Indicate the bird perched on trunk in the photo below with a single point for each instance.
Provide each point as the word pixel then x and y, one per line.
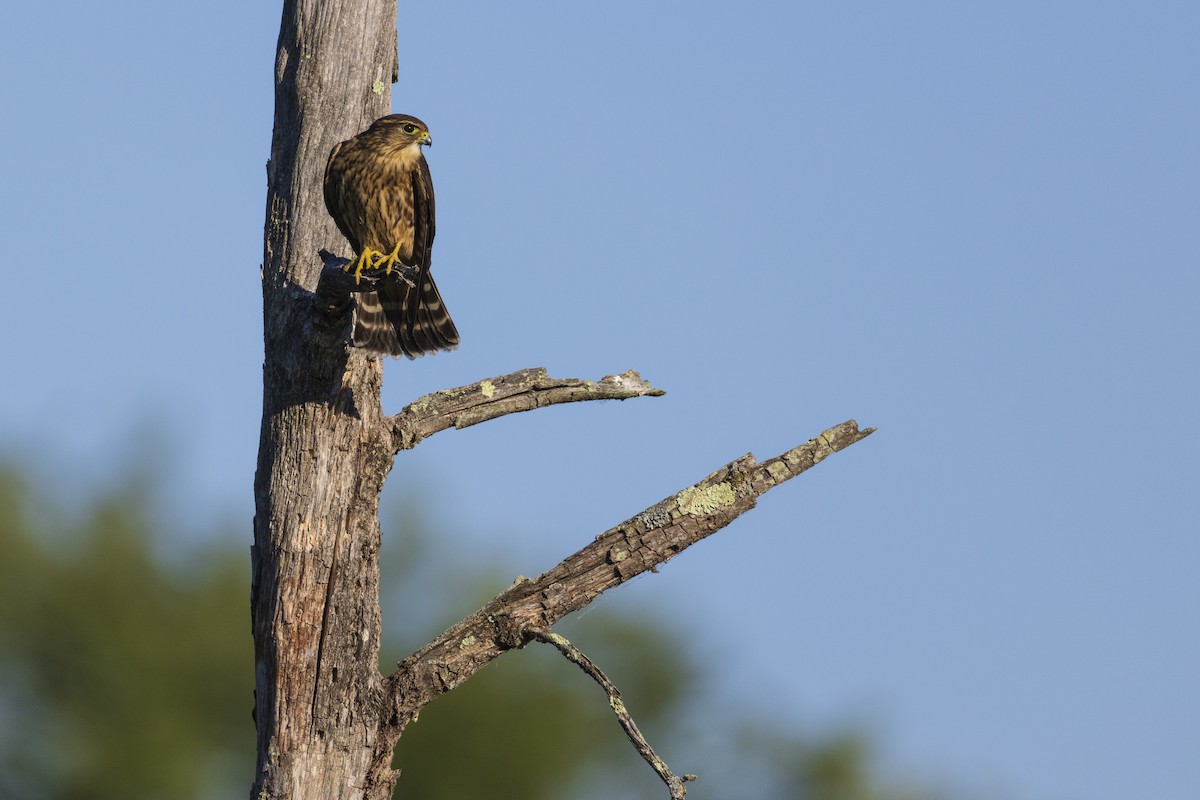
pixel 378 191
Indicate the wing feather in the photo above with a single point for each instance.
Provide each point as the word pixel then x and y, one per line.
pixel 335 195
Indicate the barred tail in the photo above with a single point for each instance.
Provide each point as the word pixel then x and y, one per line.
pixel 399 320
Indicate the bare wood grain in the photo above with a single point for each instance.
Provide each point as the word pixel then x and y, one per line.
pixel 321 463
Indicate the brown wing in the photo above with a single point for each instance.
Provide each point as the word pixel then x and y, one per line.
pixel 424 214
pixel 335 195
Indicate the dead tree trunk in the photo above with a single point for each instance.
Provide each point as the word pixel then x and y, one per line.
pixel 327 720
pixel 321 460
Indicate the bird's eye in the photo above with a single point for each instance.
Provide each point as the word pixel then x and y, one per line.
pixel 410 128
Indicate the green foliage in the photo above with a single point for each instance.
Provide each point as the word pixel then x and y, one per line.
pixel 124 677
pixel 835 766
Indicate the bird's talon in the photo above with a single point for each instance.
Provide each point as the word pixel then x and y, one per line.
pixel 366 260
pixel 389 261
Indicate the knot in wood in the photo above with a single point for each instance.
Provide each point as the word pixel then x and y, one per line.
pixel 510 634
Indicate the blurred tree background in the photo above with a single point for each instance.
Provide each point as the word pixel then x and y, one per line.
pixel 127 671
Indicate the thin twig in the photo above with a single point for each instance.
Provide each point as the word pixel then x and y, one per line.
pixel 674 782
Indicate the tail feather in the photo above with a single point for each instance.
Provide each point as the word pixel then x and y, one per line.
pixel 400 320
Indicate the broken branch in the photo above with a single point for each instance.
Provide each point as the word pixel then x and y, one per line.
pixel 619 554
pixel 507 394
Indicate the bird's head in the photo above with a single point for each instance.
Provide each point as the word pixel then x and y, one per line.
pixel 403 130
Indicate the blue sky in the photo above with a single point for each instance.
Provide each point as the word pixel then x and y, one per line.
pixel 973 227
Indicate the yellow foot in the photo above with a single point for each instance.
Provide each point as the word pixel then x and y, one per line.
pixel 389 261
pixel 365 260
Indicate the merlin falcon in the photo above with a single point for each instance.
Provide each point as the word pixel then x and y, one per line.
pixel 379 192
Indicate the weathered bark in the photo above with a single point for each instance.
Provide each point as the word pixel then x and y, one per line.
pixel 321 461
pixel 327 720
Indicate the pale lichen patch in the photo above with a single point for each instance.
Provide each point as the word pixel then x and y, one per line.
pixel 653 518
pixel 697 501
pixel 488 389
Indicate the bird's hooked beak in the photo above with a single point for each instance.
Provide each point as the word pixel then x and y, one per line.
pixel 425 140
